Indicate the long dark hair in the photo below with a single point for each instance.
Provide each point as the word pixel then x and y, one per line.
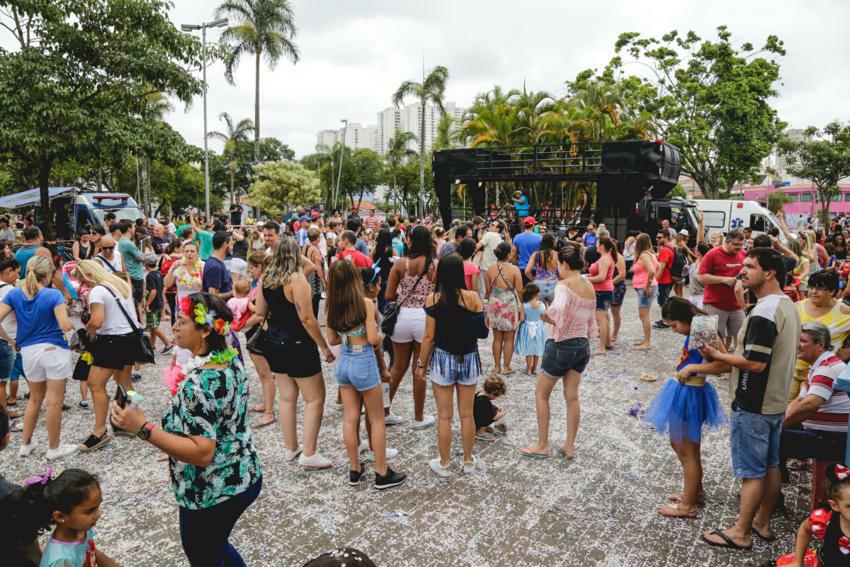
pixel 215 341
pixel 450 281
pixel 680 309
pixel 609 245
pixel 346 310
pixel 546 250
pixel 421 244
pixel 383 244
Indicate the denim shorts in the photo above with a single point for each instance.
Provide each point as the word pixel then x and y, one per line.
pixel 358 367
pixel 7 360
pixel 448 369
pixel 603 300
pixel 563 356
pixel 17 368
pixel 645 301
pixel 754 438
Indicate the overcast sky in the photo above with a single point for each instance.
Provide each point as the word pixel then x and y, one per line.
pixel 355 53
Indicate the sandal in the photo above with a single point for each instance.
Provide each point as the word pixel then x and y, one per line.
pixel 526 453
pixel 676 511
pixel 727 541
pixel 486 436
pixel 94 442
pixel 263 422
pixel 16 427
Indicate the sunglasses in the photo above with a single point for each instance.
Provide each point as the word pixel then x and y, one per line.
pixel 107 248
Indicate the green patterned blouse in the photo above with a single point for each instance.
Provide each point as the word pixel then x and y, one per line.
pixel 213 404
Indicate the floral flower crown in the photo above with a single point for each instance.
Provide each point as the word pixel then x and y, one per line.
pixel 201 316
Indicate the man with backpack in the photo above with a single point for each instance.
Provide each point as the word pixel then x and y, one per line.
pixel 666 259
pixel 679 269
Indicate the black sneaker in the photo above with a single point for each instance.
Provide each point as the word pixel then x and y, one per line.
pixel 661 325
pixel 389 480
pixel 167 350
pixel 354 477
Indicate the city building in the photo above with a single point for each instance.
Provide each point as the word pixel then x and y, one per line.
pixel 325 140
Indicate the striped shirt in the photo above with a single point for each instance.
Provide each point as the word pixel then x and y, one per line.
pixel 832 414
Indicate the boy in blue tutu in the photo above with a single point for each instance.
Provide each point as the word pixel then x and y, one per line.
pixel 683 407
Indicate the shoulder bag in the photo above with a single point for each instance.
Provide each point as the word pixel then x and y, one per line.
pixel 144 350
pixel 392 309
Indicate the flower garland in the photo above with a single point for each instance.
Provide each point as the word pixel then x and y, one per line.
pixel 201 316
pixel 189 276
pixel 175 375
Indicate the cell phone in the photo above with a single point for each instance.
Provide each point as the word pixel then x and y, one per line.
pixel 121 396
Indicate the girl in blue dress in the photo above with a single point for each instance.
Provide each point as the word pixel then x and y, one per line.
pixel 531 337
pixel 683 407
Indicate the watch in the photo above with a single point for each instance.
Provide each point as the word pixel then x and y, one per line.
pixel 145 432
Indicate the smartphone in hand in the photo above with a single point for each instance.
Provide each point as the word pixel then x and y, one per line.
pixel 121 396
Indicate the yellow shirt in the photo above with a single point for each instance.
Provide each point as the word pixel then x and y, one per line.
pixel 838 324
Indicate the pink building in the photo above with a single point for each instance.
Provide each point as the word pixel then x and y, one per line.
pixel 804 199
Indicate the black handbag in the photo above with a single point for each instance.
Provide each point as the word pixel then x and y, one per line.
pixel 144 350
pixel 81 370
pixel 392 309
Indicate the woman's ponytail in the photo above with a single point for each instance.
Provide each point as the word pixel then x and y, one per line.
pixel 38 269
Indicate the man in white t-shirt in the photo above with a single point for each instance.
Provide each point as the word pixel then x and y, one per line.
pixel 108 257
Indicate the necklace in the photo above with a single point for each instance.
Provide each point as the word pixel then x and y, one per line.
pixel 175 375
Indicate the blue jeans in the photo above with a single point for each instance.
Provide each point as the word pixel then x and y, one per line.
pixel 17 368
pixel 7 360
pixel 561 357
pixel 664 290
pixel 204 533
pixel 755 442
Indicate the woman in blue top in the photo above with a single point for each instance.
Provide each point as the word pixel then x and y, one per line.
pixel 42 320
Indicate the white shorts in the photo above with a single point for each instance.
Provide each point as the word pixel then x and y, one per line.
pixel 46 362
pixel 410 325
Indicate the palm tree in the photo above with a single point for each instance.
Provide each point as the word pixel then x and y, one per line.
pixel 232 137
pixel 398 152
pixel 430 90
pixel 446 133
pixel 264 27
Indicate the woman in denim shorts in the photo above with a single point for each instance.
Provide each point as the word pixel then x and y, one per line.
pixel 455 321
pixel 643 280
pixel 353 325
pixel 571 322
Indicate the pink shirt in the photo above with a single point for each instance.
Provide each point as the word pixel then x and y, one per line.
pixel 639 273
pixel 574 315
pixel 470 271
pixel 608 283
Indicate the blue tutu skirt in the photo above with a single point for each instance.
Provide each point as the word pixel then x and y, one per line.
pixel 530 339
pixel 682 411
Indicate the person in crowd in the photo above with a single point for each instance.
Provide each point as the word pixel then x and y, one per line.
pixel 292 343
pixel 110 306
pixel 717 272
pixel 398 241
pixel 214 465
pixel 684 407
pixel 669 231
pixel 256 242
pixel 132 258
pixel 352 324
pixel 439 239
pixel 173 252
pixel 815 424
pixel 542 268
pixel 411 281
pixel 384 254
pixel 503 286
pixel 271 236
pixel 681 260
pixel 471 271
pixel 72 501
pixel 108 257
pixel 526 243
pixel 485 412
pixel 589 238
pixel 371 221
pixel 521 206
pixel 619 295
pixel 216 278
pixel 665 255
pixel 762 366
pixel 695 288
pixel 32 245
pixel 449 357
pixel 257 263
pixel 486 248
pixel 355 225
pixel 240 304
pixel 154 303
pixel 9 269
pixel 6 232
pixel 187 272
pixel 82 248
pixel 317 279
pixel 571 324
pixel 347 250
pixel 42 318
pixel 643 280
pixel 822 306
pixel 601 275
pixel 461 232
pixel 531 336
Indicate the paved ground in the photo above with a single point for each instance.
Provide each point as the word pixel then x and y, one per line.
pixel 599 509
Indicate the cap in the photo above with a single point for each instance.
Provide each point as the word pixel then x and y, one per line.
pixel 315 214
pixel 529 221
pixel 305 218
pixel 684 232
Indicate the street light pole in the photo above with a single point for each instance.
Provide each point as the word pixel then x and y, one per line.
pixel 341 156
pixel 203 27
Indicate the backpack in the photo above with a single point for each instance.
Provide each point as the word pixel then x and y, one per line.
pixel 680 263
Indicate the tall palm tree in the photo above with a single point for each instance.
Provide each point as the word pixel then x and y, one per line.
pixel 233 135
pixel 430 90
pixel 446 133
pixel 398 152
pixel 263 27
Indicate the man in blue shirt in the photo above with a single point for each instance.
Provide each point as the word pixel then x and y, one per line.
pixel 526 244
pixel 521 206
pixel 217 279
pixel 589 238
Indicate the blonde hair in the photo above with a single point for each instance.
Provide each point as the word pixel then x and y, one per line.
pixel 642 244
pixel 94 273
pixel 285 261
pixel 243 287
pixel 39 268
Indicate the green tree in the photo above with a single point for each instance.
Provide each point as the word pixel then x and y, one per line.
pixel 283 184
pixel 263 28
pixel 446 133
pixel 362 172
pixel 398 154
pixel 232 136
pixel 822 157
pixel 708 98
pixel 76 82
pixel 430 90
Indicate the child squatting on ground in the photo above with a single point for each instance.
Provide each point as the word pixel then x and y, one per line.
pixel 485 412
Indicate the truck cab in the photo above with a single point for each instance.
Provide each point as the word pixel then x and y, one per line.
pixel 646 216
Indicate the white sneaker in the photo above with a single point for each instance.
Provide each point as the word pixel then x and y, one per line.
pixel 393 420
pixel 369 456
pixel 426 422
pixel 292 455
pixel 438 469
pixel 314 462
pixel 61 451
pixel 26 450
pixel 469 469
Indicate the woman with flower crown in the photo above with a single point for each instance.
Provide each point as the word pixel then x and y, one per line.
pixel 214 466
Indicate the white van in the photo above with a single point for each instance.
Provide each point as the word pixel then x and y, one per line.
pixel 722 216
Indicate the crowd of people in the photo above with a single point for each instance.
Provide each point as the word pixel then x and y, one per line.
pixel 383 297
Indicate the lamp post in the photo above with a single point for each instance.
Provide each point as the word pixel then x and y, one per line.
pixel 220 23
pixel 341 156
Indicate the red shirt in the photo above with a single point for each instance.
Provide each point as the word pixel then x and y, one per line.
pixel 666 256
pixel 360 259
pixel 718 263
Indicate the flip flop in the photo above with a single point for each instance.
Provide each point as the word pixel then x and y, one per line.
pixel 763 538
pixel 16 427
pixel 727 541
pixel 531 455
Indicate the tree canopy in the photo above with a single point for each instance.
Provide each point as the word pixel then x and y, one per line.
pixel 282 185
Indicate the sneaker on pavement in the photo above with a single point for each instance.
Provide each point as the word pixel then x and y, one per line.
pixel 437 467
pixel 389 480
pixel 167 350
pixel 26 450
pixel 426 422
pixel 61 451
pixel 369 456
pixel 314 462
pixel 393 420
pixel 470 468
pixel 84 404
pixel 354 477
pixel 292 455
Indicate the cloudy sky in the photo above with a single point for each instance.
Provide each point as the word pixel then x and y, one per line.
pixel 354 53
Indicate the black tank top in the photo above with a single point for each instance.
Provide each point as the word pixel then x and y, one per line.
pixel 283 315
